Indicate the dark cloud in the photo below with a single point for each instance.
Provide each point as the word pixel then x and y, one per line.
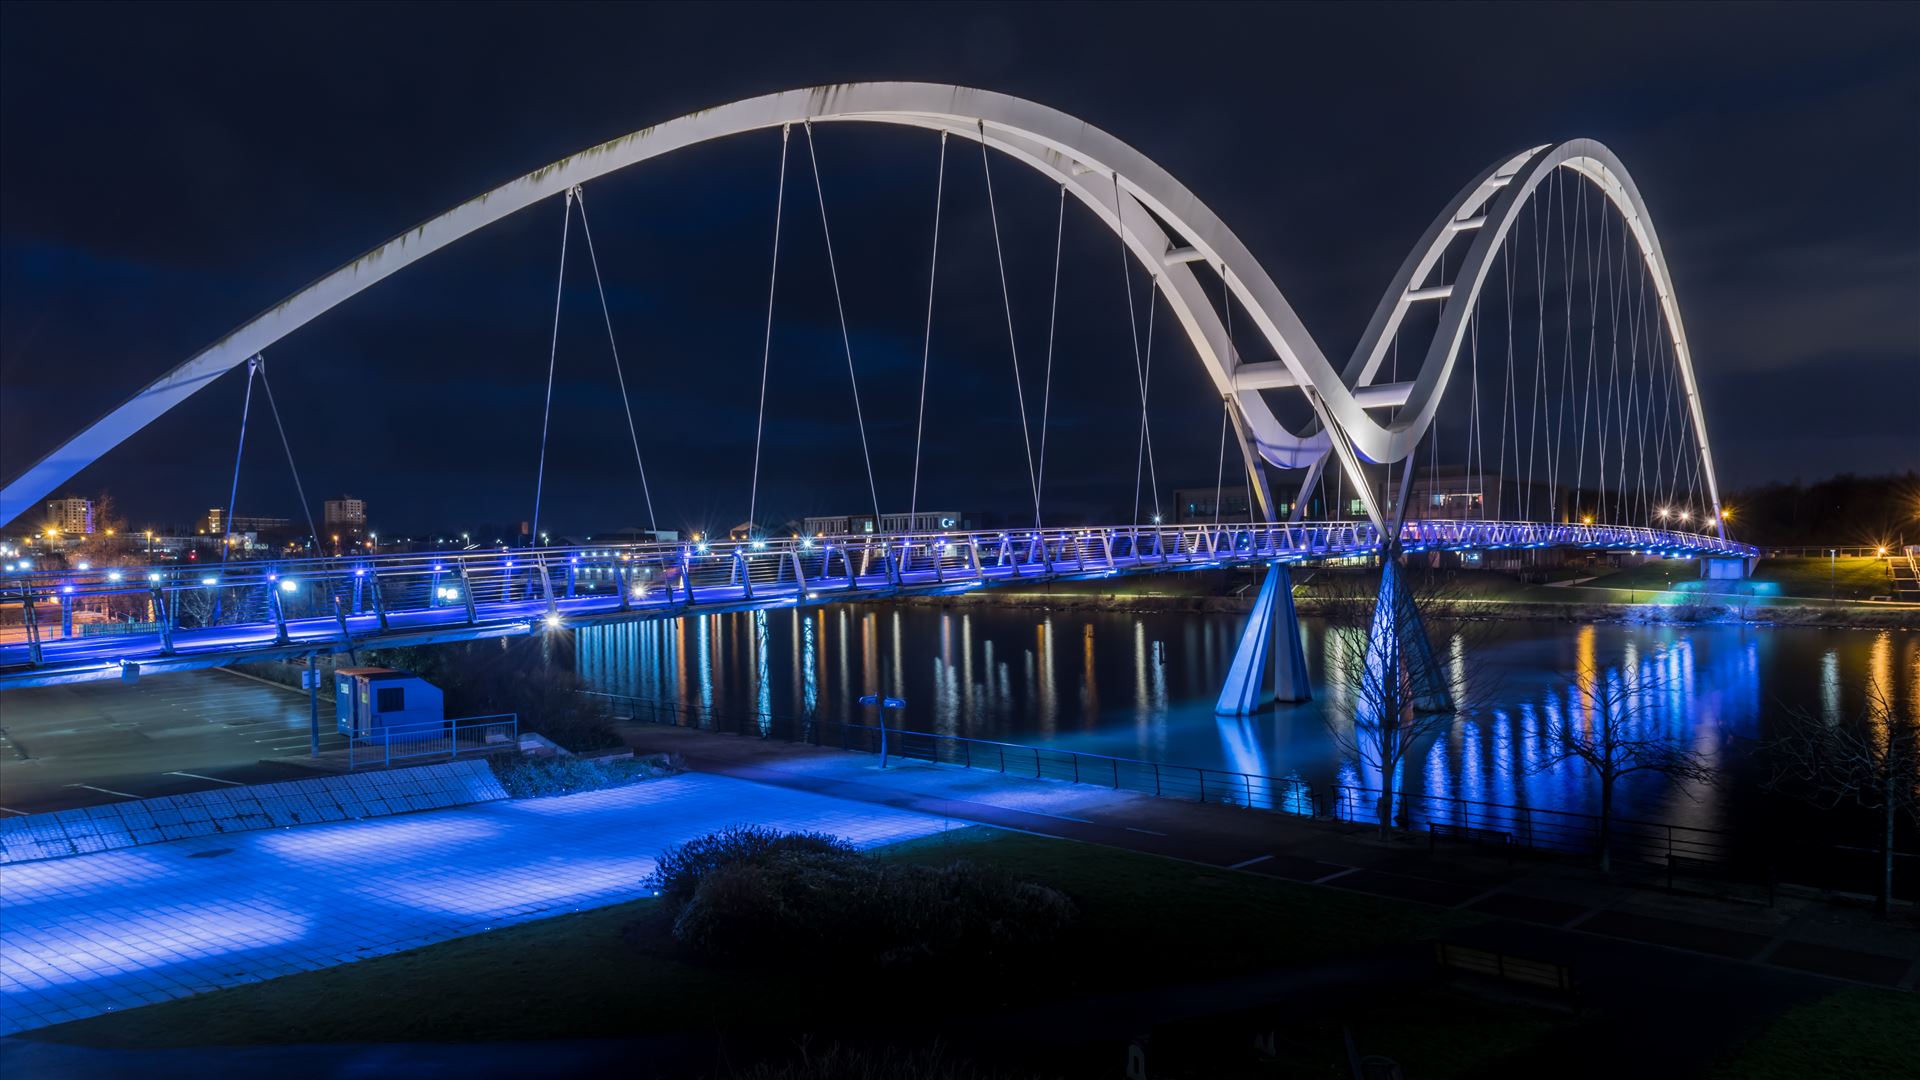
pixel 170 170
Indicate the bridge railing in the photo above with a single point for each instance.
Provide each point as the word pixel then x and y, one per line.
pixel 348 597
pixel 418 579
pixel 447 739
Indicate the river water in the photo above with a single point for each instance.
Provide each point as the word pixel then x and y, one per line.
pixel 1144 685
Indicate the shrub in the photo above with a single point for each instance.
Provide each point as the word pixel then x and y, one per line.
pixel 532 778
pixel 751 894
pixel 683 866
pixel 578 724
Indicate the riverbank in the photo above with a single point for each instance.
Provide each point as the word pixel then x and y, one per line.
pixel 1488 595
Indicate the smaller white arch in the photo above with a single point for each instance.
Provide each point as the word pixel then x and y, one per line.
pixel 1492 202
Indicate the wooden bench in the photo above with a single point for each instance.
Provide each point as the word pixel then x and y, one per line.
pixel 1540 974
pixel 1726 883
pixel 1472 834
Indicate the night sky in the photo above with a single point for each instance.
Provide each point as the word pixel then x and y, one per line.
pixel 168 171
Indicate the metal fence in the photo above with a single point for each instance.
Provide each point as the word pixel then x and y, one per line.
pixel 1535 829
pixel 448 739
pixel 1286 794
pixel 1654 848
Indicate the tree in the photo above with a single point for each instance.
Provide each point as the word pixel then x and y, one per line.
pixel 1871 759
pixel 1611 728
pixel 1380 650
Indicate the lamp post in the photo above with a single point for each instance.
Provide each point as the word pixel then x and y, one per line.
pixel 1833 574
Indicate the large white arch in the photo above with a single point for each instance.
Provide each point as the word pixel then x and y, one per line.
pixel 1488 208
pixel 1124 188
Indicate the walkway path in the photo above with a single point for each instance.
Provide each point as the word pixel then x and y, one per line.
pixel 1795 933
pixel 94 933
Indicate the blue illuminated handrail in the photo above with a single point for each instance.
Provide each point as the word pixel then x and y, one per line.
pixel 254 607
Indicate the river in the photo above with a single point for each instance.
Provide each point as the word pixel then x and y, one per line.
pixel 1143 686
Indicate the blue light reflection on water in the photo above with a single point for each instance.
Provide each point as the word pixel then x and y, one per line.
pixel 1143 686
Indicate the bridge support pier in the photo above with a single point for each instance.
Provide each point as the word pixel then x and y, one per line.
pixel 1272 627
pixel 1397 638
pixel 1726 568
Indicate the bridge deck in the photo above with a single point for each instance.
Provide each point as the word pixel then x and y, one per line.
pixel 199 615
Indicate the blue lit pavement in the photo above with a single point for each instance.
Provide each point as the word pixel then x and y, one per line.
pixel 181 616
pixel 95 933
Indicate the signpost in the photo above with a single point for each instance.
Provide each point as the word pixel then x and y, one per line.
pixel 884 703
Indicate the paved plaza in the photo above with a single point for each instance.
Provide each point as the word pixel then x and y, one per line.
pixel 120 929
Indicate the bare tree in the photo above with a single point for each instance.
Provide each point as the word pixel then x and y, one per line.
pixel 1380 652
pixel 1611 728
pixel 1871 759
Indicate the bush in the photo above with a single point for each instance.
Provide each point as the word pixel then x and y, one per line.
pixel 533 778
pixel 681 868
pixel 578 724
pixel 751 894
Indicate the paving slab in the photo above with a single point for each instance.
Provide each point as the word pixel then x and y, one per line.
pixel 119 929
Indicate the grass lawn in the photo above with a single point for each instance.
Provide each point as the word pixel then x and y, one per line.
pixel 1848 579
pixel 610 972
pixel 1433 1033
pixel 1859 1033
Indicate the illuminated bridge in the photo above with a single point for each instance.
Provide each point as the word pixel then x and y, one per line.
pixel 1545 357
pixel 201 616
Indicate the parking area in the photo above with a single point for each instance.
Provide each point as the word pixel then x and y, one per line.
pixel 97 742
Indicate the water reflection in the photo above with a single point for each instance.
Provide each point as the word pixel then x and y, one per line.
pixel 1144 686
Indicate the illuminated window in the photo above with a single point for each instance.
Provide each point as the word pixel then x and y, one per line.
pixel 1356 506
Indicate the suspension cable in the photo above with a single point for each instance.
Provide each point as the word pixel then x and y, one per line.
pixel 846 342
pixel 586 232
pixel 1053 322
pixel 1133 334
pixel 766 345
pixel 233 491
pixel 926 346
pixel 1006 298
pixel 553 357
pixel 1220 470
pixel 1506 398
pixel 306 508
pixel 1144 453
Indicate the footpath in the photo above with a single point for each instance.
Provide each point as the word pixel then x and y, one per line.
pixel 111 930
pixel 1533 905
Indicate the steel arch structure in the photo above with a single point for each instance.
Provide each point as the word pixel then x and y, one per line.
pixel 1124 188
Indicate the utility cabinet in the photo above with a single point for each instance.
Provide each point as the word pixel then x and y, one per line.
pixel 375 701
